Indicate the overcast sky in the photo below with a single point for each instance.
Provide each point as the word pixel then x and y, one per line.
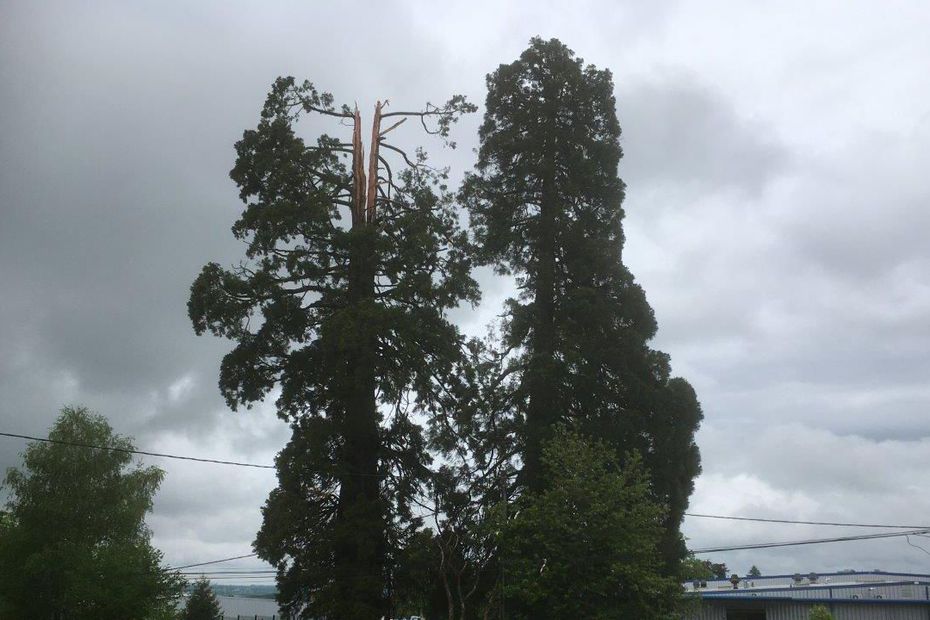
pixel 776 156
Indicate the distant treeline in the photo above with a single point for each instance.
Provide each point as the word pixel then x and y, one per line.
pixel 251 591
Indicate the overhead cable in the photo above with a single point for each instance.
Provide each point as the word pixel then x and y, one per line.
pixel 142 452
pixel 814 541
pixel 796 522
pixel 237 557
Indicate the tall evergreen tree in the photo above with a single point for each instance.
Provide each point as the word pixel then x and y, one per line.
pixel 202 603
pixel 340 302
pixel 545 203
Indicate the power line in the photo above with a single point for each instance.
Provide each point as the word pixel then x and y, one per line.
pixel 241 577
pixel 908 539
pixel 128 451
pixel 795 522
pixel 213 575
pixel 229 572
pixel 914 530
pixel 238 557
pixel 814 541
pixel 159 454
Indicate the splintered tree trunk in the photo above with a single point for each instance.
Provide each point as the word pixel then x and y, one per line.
pixel 361 547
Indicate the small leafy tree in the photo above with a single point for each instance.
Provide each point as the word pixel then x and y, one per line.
pixel 819 612
pixel 754 571
pixel 719 569
pixel 587 546
pixel 202 603
pixel 75 544
pixel 693 568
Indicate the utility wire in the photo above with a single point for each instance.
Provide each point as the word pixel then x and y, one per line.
pixel 914 530
pixel 908 539
pixel 231 574
pixel 244 571
pixel 241 577
pixel 128 451
pixel 761 520
pixel 918 531
pixel 212 574
pixel 814 541
pixel 158 454
pixel 238 557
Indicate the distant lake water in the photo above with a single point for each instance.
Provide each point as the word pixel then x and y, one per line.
pixel 247 608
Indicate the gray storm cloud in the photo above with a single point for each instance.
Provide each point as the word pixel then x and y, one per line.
pixel 776 218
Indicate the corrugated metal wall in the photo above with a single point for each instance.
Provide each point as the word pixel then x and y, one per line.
pixel 788 611
pixel 881 612
pixel 892 591
pixel 781 610
pixel 709 611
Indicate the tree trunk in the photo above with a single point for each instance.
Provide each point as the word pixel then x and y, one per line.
pixel 360 531
pixel 542 380
pixel 458 589
pixel 450 600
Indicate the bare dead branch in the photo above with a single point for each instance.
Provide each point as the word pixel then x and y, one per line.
pixel 394 126
pixel 402 154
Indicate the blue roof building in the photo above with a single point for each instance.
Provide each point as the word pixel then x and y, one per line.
pixel 874 595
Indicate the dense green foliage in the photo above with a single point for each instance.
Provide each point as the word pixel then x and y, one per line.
pixel 545 203
pixel 76 545
pixel 475 431
pixel 340 310
pixel 693 568
pixel 820 612
pixel 202 603
pixel 586 546
pixel 343 310
pixel 754 572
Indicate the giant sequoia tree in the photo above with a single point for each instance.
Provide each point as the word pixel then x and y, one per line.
pixel 350 265
pixel 545 202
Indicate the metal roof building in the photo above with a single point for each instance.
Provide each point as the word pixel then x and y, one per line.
pixel 849 596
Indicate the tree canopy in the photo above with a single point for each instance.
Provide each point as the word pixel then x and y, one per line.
pixel 693 568
pixel 339 308
pixel 587 546
pixel 76 544
pixel 202 603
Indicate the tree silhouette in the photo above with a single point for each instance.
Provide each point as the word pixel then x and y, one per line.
pixel 349 267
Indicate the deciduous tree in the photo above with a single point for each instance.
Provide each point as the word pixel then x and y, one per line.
pixel 693 568
pixel 76 544
pixel 586 546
